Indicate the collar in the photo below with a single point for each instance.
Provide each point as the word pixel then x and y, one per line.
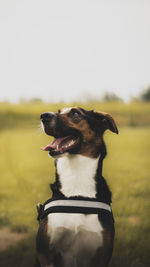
pixel 72 206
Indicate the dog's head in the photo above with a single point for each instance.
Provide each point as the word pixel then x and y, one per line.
pixel 76 131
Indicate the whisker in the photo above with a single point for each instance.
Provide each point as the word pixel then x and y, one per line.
pixel 40 128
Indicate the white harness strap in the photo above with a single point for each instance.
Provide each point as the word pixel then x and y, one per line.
pixel 78 203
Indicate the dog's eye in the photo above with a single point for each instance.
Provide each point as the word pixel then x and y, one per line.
pixel 74 115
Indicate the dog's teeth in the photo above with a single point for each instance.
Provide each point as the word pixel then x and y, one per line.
pixel 57 148
pixel 72 142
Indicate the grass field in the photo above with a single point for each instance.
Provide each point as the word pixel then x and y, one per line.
pixel 23 115
pixel 26 172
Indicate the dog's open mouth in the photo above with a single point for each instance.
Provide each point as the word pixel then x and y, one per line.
pixel 62 144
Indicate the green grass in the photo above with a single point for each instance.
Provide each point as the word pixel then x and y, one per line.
pixel 127 168
pixel 26 172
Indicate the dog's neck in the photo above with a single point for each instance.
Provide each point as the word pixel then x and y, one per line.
pixel 77 175
pixel 81 177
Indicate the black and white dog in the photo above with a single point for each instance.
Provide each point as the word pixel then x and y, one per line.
pixel 76 226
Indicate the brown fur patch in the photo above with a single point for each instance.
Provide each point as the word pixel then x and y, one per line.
pixel 46 254
pixel 104 253
pixel 42 243
pixel 91 142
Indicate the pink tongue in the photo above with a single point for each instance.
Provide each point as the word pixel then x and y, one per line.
pixel 55 143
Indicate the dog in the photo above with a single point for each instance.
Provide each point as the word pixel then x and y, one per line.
pixel 76 226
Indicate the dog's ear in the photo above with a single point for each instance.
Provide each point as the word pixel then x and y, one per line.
pixel 106 122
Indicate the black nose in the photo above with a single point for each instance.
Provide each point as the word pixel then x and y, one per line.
pixel 47 116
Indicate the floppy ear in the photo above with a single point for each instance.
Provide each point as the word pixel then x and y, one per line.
pixel 107 122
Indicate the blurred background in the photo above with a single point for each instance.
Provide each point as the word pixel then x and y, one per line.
pixel 89 53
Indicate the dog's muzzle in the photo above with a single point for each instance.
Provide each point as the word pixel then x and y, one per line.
pixel 66 139
pixel 49 120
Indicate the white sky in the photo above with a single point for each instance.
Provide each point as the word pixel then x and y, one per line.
pixel 65 49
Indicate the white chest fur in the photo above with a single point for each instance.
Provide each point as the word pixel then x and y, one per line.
pixel 76 174
pixel 73 232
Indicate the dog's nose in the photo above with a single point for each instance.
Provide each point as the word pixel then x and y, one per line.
pixel 47 116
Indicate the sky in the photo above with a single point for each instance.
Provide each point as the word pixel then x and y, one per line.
pixel 66 50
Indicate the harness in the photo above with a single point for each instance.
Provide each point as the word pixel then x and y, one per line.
pixel 61 204
pixel 73 206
